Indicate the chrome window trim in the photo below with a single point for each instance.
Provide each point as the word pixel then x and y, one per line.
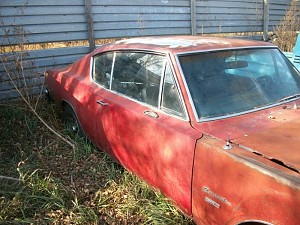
pixel 246 112
pixel 92 67
pixel 222 49
pixel 155 108
pixel 186 88
pixel 112 70
pixel 185 113
pixel 162 78
pixel 198 119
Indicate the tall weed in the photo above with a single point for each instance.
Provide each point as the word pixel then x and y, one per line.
pixel 287 30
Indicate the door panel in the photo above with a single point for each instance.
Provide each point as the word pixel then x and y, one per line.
pixel 157 146
pixel 159 150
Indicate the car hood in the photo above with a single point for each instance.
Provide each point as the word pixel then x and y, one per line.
pixel 273 133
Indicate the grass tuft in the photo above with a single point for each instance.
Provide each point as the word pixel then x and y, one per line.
pixel 43 181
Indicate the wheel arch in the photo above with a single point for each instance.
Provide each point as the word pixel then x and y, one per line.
pixel 64 103
pixel 254 222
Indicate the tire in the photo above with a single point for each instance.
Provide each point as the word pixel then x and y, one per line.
pixel 71 121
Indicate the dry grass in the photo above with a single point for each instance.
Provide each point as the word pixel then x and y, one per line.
pixel 287 30
pixel 29 47
pixel 53 184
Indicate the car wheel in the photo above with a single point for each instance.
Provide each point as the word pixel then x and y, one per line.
pixel 71 122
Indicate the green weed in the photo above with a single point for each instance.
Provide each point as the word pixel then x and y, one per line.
pixel 44 181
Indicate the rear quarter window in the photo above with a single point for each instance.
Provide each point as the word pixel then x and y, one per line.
pixel 102 68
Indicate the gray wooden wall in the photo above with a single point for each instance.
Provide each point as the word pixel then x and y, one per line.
pixel 67 20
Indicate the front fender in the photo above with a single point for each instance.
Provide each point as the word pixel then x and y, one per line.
pixel 232 186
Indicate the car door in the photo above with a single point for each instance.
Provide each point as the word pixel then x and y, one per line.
pixel 145 125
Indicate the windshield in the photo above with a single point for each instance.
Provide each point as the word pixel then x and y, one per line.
pixel 222 83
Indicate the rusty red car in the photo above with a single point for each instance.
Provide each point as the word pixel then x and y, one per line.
pixel 213 123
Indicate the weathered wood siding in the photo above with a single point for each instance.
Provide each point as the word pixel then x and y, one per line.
pixel 278 9
pixel 33 21
pixel 34 63
pixel 43 21
pixel 229 16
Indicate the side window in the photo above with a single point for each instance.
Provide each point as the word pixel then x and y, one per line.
pixel 170 99
pixel 102 69
pixel 137 75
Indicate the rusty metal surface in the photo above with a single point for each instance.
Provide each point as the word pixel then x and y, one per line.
pixel 274 133
pixel 228 189
pixel 181 44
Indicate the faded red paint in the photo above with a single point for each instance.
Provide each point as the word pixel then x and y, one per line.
pixel 254 188
pixel 186 159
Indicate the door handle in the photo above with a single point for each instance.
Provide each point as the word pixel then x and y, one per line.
pixel 102 103
pixel 151 114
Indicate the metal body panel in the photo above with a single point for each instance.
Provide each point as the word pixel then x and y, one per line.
pixel 273 133
pixel 229 189
pixel 159 150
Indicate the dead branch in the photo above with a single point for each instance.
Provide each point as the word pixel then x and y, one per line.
pixel 33 110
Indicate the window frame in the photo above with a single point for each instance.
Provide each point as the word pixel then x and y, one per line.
pixel 198 117
pixel 167 110
pixel 167 61
pixel 92 66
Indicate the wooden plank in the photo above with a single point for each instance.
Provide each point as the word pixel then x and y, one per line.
pixel 46 37
pixel 238 1
pixel 50 28
pixel 266 20
pixel 140 17
pixel 233 11
pixel 20 3
pixel 139 9
pixel 193 17
pixel 53 52
pixel 210 30
pixel 42 19
pixel 232 23
pixel 140 25
pixel 31 82
pixel 42 10
pixel 90 24
pixel 141 3
pixel 50 57
pixel 139 32
pixel 280 2
pixel 9 95
pixel 228 17
pixel 230 4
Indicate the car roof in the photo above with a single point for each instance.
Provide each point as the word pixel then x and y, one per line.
pixel 182 44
